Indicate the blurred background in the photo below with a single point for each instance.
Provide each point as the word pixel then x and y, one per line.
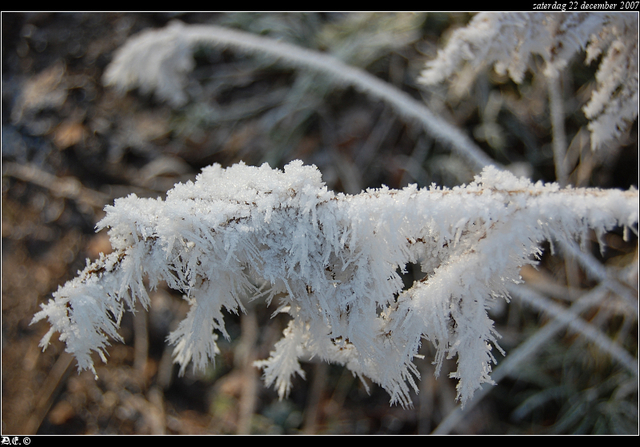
pixel 70 146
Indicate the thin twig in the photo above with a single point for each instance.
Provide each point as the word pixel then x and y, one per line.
pixel 557 126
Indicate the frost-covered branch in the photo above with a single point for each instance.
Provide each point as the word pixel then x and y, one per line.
pixel 333 264
pixel 158 61
pixel 562 318
pixel 508 40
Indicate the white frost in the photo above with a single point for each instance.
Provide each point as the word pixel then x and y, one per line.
pixel 332 261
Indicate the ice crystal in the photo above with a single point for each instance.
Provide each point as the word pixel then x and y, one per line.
pixel 507 41
pixel 333 263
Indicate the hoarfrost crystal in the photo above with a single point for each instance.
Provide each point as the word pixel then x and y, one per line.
pixel 508 40
pixel 332 262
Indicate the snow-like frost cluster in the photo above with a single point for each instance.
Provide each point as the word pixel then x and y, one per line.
pixel 332 262
pixel 509 40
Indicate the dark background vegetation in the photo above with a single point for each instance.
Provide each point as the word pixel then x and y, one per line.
pixel 70 146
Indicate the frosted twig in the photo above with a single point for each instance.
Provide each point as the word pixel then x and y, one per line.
pixel 332 262
pixel 597 271
pixel 561 319
pixel 557 124
pixel 570 318
pixel 507 41
pixel 157 60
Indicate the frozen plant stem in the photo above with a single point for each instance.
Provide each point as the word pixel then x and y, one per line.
pixel 156 60
pixel 557 125
pixel 506 41
pixel 331 262
pixel 562 318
